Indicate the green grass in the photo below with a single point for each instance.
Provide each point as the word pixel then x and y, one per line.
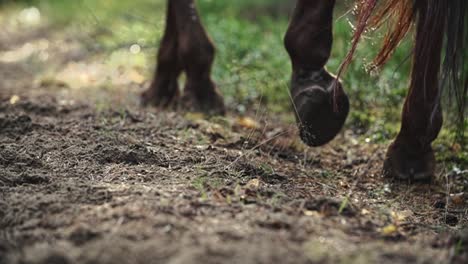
pixel 251 66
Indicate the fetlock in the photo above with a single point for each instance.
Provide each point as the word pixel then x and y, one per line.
pixel 319 101
pixel 407 159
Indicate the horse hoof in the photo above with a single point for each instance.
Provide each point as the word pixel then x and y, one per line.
pixel 404 163
pixel 208 101
pixel 162 98
pixel 319 118
pixel 147 98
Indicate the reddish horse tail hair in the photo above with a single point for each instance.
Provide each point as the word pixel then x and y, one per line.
pixel 401 15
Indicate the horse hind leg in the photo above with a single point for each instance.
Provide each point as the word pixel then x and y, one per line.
pixel 410 156
pixel 320 103
pixel 164 89
pixel 196 53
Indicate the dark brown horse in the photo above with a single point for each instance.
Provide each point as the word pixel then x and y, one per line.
pixel 320 102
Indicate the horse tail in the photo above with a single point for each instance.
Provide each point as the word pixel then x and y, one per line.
pixel 455 65
pixel 399 16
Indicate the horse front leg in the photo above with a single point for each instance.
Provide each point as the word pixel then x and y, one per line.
pixel 164 89
pixel 196 53
pixel 410 156
pixel 320 103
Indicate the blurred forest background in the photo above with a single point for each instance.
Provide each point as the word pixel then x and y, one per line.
pixel 251 68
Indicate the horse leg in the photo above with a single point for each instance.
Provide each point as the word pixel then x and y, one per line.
pixel 321 105
pixel 196 53
pixel 410 156
pixel 164 88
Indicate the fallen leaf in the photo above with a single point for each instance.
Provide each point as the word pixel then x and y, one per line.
pixel 14 99
pixel 389 230
pixel 253 184
pixel 457 199
pixel 365 212
pixel 247 122
pixel 311 213
pixel 401 216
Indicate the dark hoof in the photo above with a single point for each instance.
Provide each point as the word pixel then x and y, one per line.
pixel 404 163
pixel 318 119
pixel 160 97
pixel 208 100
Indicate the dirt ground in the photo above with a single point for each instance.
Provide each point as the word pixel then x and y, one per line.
pixel 88 176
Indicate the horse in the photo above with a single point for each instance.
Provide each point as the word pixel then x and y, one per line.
pixel 320 102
